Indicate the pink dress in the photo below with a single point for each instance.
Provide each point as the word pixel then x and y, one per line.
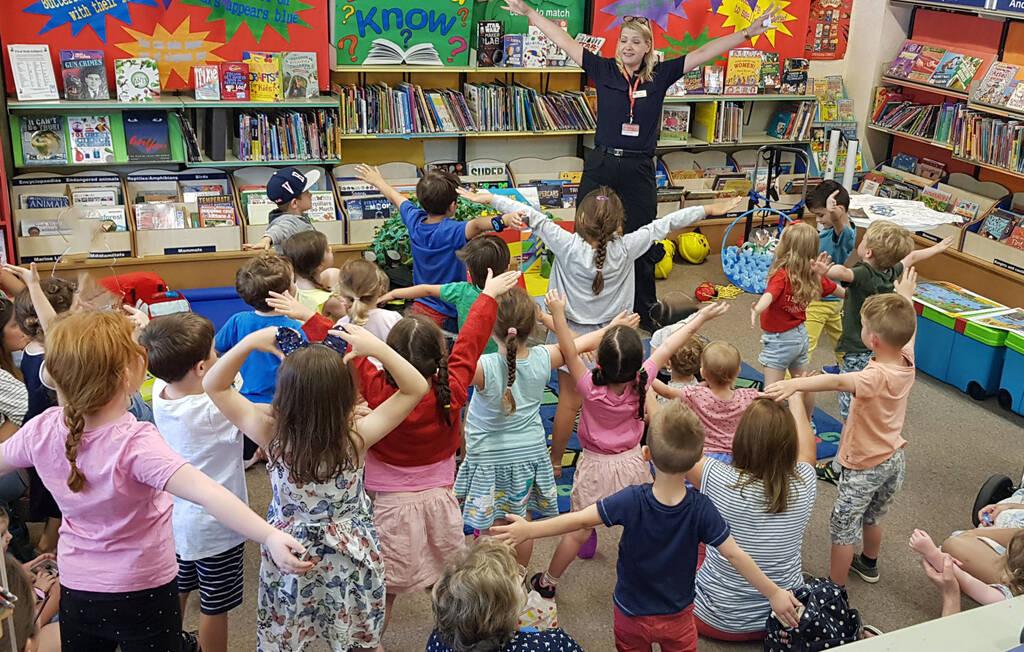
pixel 720 418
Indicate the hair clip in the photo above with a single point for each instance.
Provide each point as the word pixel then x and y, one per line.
pixel 513 332
pixel 601 198
pixel 289 341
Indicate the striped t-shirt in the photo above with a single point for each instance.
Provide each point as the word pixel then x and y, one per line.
pixel 724 599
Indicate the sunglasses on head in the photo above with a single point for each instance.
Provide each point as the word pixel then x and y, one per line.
pixel 638 19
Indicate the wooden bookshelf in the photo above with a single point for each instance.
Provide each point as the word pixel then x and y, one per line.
pixel 162 103
pixel 989 166
pixel 919 139
pixel 748 140
pixel 233 162
pixel 319 102
pixel 765 97
pixel 938 90
pixel 472 134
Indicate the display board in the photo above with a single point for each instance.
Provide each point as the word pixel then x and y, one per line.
pixel 570 11
pixel 828 29
pixel 177 34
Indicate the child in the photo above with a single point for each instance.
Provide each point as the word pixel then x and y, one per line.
pixel 871 446
pixel 1012 583
pixel 44 578
pixel 612 419
pixel 210 556
pixel 289 189
pixel 507 469
pixel 315 274
pixel 792 284
pixel 435 236
pixel 316 447
pixel 829 202
pixel 480 254
pixel 410 472
pixel 361 285
pixel 254 282
pixel 715 402
pixel 662 525
pixel 684 365
pixel 594 270
pixel 117 564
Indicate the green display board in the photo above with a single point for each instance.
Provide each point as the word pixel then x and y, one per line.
pixel 571 11
pixel 396 32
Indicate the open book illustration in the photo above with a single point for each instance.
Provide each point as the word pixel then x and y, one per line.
pixel 386 52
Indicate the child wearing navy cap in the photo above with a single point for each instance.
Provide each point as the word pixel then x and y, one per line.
pixel 289 189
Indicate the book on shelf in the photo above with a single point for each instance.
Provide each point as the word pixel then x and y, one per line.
pixel 234 81
pixel 792 121
pixel 215 211
pixel 160 215
pixel 43 140
pixel 299 74
pixel 322 206
pixel 84 74
pixel 367 207
pixel 512 44
pixel 930 169
pixel 146 135
pixel 869 187
pixel 693 81
pixel 794 76
pixel 930 121
pixel 926 63
pixel 990 89
pixel 264 75
pixel 675 123
pixel 43 226
pixel 33 72
pixel 905 162
pixel 714 80
pixel 770 73
pixel 287 135
pixel 33 202
pixel 385 52
pixel 458 168
pixel 489 52
pixel 206 82
pixel 137 80
pixel 112 219
pixel 256 204
pixel 937 199
pixel 965 72
pixel 990 140
pixel 998 224
pixel 192 191
pixel 96 197
pixel 966 209
pixel 90 139
pixel 743 72
pixel 591 43
pixel 946 69
pixel 903 64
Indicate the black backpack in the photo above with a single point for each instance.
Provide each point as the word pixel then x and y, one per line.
pixel 827 620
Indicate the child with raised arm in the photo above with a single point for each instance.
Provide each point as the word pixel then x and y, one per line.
pixel 662 525
pixel 434 235
pixel 871 446
pixel 317 448
pixel 112 475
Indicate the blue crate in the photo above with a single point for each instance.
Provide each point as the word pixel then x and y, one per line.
pixel 216 304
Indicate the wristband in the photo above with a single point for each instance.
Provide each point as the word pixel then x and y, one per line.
pixel 497 224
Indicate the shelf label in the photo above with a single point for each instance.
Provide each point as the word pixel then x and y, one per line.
pixel 929 236
pixel 976 4
pixel 201 249
pixel 1016 269
pixel 1013 6
pixel 100 255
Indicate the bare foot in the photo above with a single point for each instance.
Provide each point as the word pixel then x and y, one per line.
pixel 922 544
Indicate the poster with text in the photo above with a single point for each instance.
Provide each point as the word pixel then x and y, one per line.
pixel 177 34
pixel 828 28
pixel 570 11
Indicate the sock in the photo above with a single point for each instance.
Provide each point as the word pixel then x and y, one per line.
pixel 547 580
pixel 868 561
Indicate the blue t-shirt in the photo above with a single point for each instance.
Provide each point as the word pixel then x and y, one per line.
pixel 259 372
pixel 433 253
pixel 837 245
pixel 658 550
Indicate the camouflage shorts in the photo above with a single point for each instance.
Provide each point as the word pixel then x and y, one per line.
pixel 864 497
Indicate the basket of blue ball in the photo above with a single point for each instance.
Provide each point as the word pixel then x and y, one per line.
pixel 746 266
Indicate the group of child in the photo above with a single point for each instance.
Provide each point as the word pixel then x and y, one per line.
pixel 359 413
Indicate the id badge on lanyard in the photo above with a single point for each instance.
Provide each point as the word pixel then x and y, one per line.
pixel 630 128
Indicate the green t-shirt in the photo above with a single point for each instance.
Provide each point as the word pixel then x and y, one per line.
pixel 867 281
pixel 462 295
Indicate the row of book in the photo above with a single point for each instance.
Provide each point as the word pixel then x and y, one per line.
pixel 1001 86
pixel 288 135
pixel 991 140
pixel 747 72
pixel 1004 225
pixel 926 168
pixel 793 121
pixel 89 139
pixel 514 107
pixel 932 121
pixel 718 122
pixel 935 66
pixel 833 103
pixel 530 50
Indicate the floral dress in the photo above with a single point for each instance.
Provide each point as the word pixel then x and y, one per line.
pixel 341 599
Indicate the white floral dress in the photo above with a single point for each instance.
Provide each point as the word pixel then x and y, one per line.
pixel 341 600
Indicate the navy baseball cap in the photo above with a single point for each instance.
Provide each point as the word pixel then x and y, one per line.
pixel 288 183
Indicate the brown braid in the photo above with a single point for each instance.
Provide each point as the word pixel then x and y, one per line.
pixel 75 422
pixel 599 255
pixel 443 390
pixel 420 341
pixel 599 218
pixel 508 402
pixel 641 393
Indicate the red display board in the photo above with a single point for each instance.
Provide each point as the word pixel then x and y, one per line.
pixel 828 29
pixel 178 34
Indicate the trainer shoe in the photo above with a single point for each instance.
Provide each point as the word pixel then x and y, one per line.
pixel 546 592
pixel 589 549
pixel 190 642
pixel 826 472
pixel 867 573
pixel 831 369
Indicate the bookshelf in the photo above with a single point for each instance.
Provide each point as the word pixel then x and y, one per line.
pixel 766 97
pixel 928 88
pixel 901 134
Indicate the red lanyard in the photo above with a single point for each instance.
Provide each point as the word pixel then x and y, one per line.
pixel 632 91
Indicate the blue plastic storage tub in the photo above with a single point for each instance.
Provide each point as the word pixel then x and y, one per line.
pixel 967 355
pixel 216 304
pixel 1011 385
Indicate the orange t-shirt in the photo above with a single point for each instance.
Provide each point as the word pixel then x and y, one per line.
pixel 873 430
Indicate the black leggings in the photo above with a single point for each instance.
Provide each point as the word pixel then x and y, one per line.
pixel 148 620
pixel 632 178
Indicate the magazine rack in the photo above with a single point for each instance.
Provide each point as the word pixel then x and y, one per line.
pixel 256 217
pixel 364 208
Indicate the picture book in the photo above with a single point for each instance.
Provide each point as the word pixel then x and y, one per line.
pixel 42 140
pixel 33 72
pixel 535 48
pixel 1016 99
pixel 457 168
pixel 794 77
pixel 953 300
pixel 770 73
pixel 161 215
pixel 844 110
pixel 111 218
pixel 965 72
pixel 206 82
pixel 1007 92
pixel 234 81
pixel 96 197
pixel 570 192
pixel 930 169
pixel 145 136
pixel 298 73
pixel 216 210
pixel 84 75
pixel 966 209
pixel 675 123
pixel 590 42
pixel 1008 320
pixel 693 81
pixel 999 224
pixel 138 80
pixel 714 78
pixel 367 208
pixel 489 35
pixel 869 187
pixel 90 139
pixel 903 64
pixel 550 195
pixel 257 206
pixel 572 176
pixel 43 201
pixel 926 63
pixel 31 228
pixel 937 200
pixel 743 73
pixel 1016 238
pixel 990 90
pixel 512 44
pixel 779 125
pixel 322 208
pixel 264 75
pixel 905 162
pixel 192 191
pixel 946 69
pixel 384 52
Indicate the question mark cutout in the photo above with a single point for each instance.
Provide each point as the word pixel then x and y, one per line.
pixel 351 46
pixel 407 35
pixel 464 14
pixel 348 10
pixel 462 47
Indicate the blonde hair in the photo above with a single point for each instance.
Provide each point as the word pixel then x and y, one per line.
pixel 675 438
pixel 891 317
pixel 599 221
pixel 361 283
pixel 1015 564
pixel 720 363
pixel 686 361
pixel 476 602
pixel 797 249
pixel 888 242
pixel 92 357
pixel 646 70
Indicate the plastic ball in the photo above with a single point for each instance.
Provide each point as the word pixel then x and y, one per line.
pixel 693 247
pixel 705 292
pixel 664 266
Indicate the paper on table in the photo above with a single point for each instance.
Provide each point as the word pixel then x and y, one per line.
pixel 911 215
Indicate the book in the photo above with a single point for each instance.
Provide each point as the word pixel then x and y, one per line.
pixel 905 162
pixel 590 42
pixel 779 125
pixel 990 90
pixel 216 210
pixel 33 72
pixel 1016 99
pixel 138 80
pixel 770 73
pixel 794 76
pixel 257 206
pixel 489 34
pixel 675 123
pixel 322 206
pixel 965 72
pixel 930 169
pixel 367 208
pixel 555 56
pixel 535 48
pixel 946 69
pixel 145 136
pixel 234 81
pixel 43 140
pixel 112 218
pixel 903 64
pixel 90 139
pixel 844 110
pixel 264 75
pixel 512 44
pixel 159 215
pixel 97 197
pixel 743 73
pixel 966 209
pixel 31 228
pixel 693 82
pixel 299 74
pixel 571 176
pixel 869 187
pixel 384 52
pixel 936 199
pixel 33 202
pixel 84 75
pixel 206 82
pixel 926 63
pixel 999 224
pixel 550 195
pixel 714 79
pixel 192 191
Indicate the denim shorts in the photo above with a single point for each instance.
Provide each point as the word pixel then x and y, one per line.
pixel 785 350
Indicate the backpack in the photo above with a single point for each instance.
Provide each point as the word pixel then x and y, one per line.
pixel 146 291
pixel 827 620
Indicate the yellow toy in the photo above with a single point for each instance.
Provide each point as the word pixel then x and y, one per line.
pixel 664 266
pixel 693 247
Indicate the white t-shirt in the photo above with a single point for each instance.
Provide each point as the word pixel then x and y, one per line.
pixel 724 599
pixel 196 430
pixel 379 321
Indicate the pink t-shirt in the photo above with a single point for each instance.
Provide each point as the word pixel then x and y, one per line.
pixel 608 422
pixel 378 475
pixel 116 534
pixel 720 418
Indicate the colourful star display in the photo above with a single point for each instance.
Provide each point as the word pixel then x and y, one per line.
pixel 656 11
pixel 740 15
pixel 86 13
pixel 258 15
pixel 175 51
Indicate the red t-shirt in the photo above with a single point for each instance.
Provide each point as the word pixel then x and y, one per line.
pixel 782 314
